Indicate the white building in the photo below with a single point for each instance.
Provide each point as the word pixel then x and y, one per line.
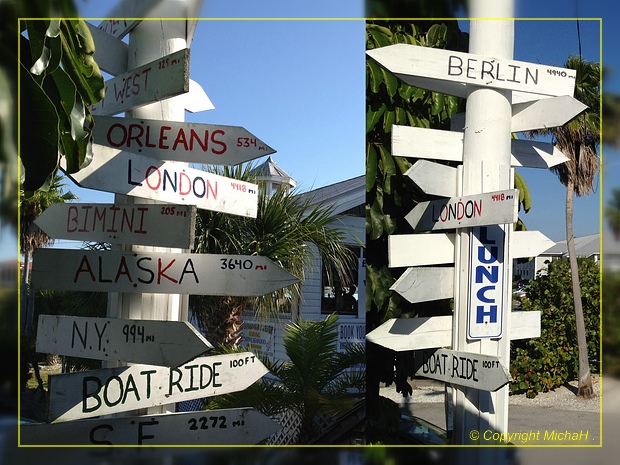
pixel 585 246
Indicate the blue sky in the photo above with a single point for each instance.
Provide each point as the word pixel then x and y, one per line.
pixel 299 86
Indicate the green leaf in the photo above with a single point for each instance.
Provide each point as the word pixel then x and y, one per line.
pixel 391 83
pixel 389 169
pixel 437 103
pixel 374 75
pixel 371 167
pixel 373 117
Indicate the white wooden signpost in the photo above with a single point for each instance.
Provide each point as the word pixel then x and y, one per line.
pixel 424 283
pixel 448 145
pixel 144 224
pixel 157 272
pixel 216 427
pixel 460 212
pixel 478 371
pixel 435 249
pixel 433 178
pixel 127 173
pixel 407 61
pixel 402 334
pixel 85 394
pixel 126 14
pixel 153 342
pixel 536 114
pixel 157 80
pixel 178 141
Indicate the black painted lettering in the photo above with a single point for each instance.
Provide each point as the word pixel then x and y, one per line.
pixel 94 440
pixel 86 394
pixel 76 329
pixel 141 435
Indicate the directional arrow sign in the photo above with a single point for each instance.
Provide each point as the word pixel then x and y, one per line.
pixel 433 178
pixel 484 372
pixel 421 284
pixel 165 343
pixel 538 114
pixel 157 272
pixel 155 81
pixel 196 99
pixel 126 9
pixel 460 212
pixel 148 224
pixel 110 52
pixel 211 427
pixel 405 61
pixel 101 392
pixel 448 145
pixel 434 249
pixel 402 334
pixel 127 173
pixel 187 142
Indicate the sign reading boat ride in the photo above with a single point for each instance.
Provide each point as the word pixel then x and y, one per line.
pixel 157 272
pixel 112 390
pixel 127 173
pixel 179 141
pixel 484 372
pixel 476 210
pixel 139 224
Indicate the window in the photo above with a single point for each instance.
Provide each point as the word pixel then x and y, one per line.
pixel 342 297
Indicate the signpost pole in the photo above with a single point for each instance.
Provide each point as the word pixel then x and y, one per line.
pixel 150 40
pixel 486 168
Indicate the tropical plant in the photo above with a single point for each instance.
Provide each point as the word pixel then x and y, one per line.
pixel 290 229
pixel 612 212
pixel 31 237
pixel 316 379
pixel 544 363
pixel 578 140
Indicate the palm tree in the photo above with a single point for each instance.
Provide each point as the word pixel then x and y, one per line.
pixel 287 230
pixel 315 380
pixel 578 140
pixel 31 237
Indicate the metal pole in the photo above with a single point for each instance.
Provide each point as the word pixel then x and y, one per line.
pixel 486 167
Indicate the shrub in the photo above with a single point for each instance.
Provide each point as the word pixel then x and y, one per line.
pixel 549 361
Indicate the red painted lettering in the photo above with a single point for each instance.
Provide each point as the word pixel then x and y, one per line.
pixel 72 215
pixel 84 267
pixel 161 271
pixel 153 169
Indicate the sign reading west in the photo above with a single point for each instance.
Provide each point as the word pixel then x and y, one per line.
pixel 157 272
pixel 101 392
pixel 165 343
pixel 155 81
pixel 484 372
pixel 131 174
pixel 177 141
pixel 140 224
pixel 435 64
pixel 461 212
pixel 226 427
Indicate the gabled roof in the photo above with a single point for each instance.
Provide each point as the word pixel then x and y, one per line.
pixel 270 170
pixel 585 246
pixel 343 195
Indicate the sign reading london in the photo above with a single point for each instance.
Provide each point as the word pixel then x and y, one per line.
pixel 147 224
pixel 461 212
pixel 412 63
pixel 157 272
pixel 131 174
pixel 179 141
pixel 155 342
pixel 87 394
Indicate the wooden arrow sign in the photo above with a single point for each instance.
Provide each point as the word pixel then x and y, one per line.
pixel 131 174
pixel 110 52
pixel 483 372
pixel 157 272
pixel 475 210
pixel 421 284
pixel 406 250
pixel 155 81
pixel 537 114
pixel 187 142
pixel 140 224
pixel 164 343
pixel 210 427
pixel 402 334
pixel 405 60
pixel 196 99
pixel 433 178
pixel 126 13
pixel 101 392
pixel 448 146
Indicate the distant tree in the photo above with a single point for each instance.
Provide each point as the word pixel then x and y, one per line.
pixel 612 213
pixel 578 140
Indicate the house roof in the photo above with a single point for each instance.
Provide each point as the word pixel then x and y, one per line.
pixel 343 195
pixel 270 170
pixel 585 246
